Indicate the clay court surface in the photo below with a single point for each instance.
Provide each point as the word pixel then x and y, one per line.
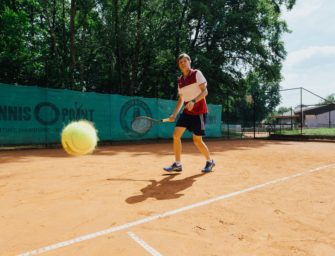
pixel 50 199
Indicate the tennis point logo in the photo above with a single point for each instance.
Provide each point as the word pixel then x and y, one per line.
pixel 129 111
pixel 46 113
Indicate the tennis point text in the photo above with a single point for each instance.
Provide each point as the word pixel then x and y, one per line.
pixel 45 113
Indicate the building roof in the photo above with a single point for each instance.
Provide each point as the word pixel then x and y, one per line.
pixel 285 115
pixel 315 110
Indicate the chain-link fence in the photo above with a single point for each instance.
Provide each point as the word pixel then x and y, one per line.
pixel 243 119
pixel 39 118
pixel 303 114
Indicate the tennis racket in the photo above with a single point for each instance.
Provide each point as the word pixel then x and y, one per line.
pixel 142 124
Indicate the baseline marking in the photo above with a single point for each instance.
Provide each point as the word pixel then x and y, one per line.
pixel 169 213
pixel 147 247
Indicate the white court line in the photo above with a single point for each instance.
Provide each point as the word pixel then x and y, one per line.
pixel 147 247
pixel 166 214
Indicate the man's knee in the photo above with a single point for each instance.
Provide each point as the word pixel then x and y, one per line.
pixel 197 140
pixel 177 135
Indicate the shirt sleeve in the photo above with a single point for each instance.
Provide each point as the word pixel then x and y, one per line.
pixel 200 78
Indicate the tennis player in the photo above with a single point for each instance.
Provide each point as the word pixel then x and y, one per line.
pixel 192 91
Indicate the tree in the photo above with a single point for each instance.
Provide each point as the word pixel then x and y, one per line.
pixel 283 110
pixel 130 47
pixel 329 99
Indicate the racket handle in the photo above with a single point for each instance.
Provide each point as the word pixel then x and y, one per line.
pixel 166 120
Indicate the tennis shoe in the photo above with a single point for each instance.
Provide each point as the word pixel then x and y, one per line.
pixel 173 168
pixel 209 166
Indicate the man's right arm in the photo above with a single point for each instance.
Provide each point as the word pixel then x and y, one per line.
pixel 177 108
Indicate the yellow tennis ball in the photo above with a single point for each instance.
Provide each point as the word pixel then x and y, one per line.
pixel 79 138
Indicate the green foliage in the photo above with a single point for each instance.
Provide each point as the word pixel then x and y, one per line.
pixel 283 110
pixel 14 53
pixel 311 131
pixel 129 47
pixel 330 98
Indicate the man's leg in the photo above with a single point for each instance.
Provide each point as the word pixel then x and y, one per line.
pixel 200 144
pixel 177 147
pixel 176 166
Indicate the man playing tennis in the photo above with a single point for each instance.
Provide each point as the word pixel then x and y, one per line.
pixel 192 90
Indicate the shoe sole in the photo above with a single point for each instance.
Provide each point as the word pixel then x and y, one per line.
pixel 173 170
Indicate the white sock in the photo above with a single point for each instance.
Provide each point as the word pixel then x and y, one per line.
pixel 178 163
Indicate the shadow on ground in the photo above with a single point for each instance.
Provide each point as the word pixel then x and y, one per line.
pixel 165 189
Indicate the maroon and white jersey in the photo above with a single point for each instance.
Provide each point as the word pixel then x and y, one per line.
pixel 189 89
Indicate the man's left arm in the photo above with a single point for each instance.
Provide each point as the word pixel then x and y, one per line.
pixel 203 94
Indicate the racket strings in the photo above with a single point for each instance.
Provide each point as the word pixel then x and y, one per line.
pixel 141 125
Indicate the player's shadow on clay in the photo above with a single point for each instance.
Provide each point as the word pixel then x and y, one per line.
pixel 164 189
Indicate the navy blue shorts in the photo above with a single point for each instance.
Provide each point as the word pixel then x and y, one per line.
pixel 194 123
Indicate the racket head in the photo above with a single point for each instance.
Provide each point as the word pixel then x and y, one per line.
pixel 141 125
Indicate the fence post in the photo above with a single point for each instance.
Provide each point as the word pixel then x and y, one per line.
pixel 228 116
pixel 291 119
pixel 254 116
pixel 330 122
pixel 301 113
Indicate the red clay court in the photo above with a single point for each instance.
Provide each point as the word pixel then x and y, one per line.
pixel 263 198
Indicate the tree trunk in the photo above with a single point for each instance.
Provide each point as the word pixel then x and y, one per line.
pixel 197 30
pixel 72 39
pixel 134 81
pixel 51 57
pixel 64 48
pixel 32 37
pixel 63 24
pixel 180 25
pixel 118 87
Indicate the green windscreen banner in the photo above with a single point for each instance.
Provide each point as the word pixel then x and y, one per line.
pixel 35 115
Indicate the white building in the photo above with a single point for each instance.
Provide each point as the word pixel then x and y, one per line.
pixel 318 116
